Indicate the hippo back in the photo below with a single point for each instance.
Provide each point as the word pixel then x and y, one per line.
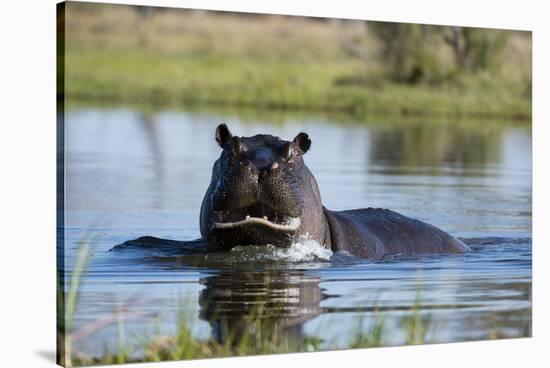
pixel 375 233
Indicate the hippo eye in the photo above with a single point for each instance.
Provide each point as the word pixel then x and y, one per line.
pixel 242 147
pixel 238 146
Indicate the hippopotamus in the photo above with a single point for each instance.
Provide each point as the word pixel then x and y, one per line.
pixel 262 192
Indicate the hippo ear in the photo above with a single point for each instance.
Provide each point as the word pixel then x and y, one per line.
pixel 303 141
pixel 223 135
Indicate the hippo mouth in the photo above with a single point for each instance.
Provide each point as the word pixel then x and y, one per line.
pixel 261 216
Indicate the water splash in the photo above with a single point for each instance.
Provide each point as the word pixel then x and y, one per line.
pixel 303 250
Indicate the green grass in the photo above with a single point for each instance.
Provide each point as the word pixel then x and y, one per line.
pixel 70 303
pixel 276 85
pixel 183 59
pixel 261 337
pixel 416 325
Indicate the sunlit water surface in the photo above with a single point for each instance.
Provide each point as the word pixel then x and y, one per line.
pixel 130 174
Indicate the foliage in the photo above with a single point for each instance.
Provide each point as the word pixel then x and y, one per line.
pixel 474 48
pixel 414 53
pixel 408 51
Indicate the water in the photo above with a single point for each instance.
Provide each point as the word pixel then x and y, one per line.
pixel 132 173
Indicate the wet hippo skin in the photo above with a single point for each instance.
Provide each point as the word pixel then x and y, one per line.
pixel 262 192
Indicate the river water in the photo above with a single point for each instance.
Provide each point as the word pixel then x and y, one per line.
pixel 131 173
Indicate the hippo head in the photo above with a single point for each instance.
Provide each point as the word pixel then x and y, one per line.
pixel 261 192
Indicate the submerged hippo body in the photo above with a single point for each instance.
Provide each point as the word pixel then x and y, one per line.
pixel 375 233
pixel 262 192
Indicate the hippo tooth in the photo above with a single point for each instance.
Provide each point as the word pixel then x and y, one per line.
pixel 291 224
pixel 265 217
pixel 247 217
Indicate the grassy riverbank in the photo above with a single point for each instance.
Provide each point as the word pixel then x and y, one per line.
pixel 182 58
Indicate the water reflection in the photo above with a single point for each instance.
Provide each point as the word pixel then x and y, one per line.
pixel 273 304
pixel 144 173
pixel 436 145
